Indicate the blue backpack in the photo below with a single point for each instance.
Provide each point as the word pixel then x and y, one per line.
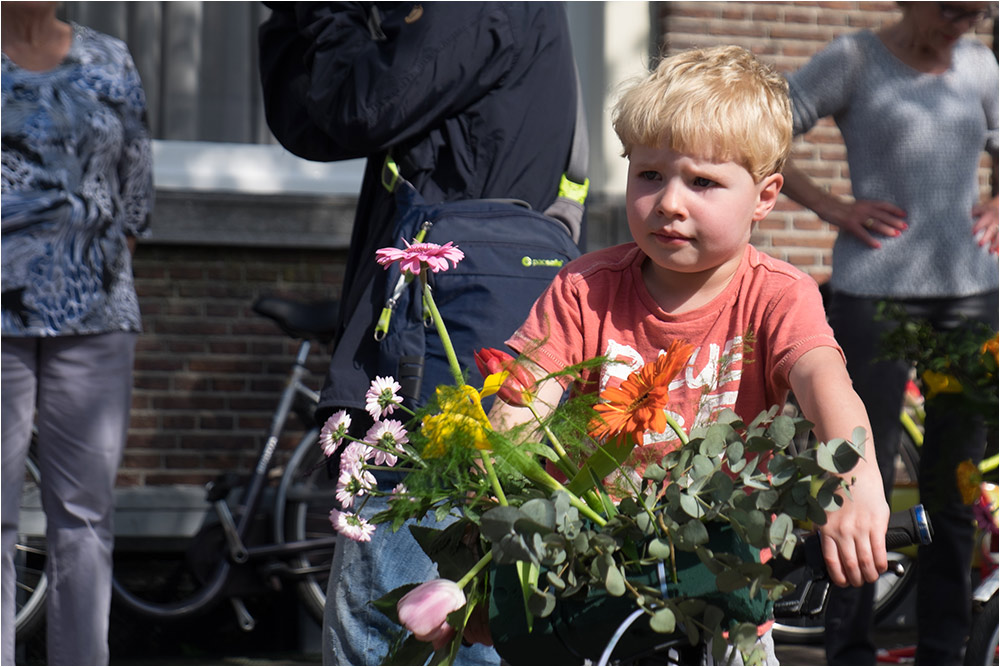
pixel 512 253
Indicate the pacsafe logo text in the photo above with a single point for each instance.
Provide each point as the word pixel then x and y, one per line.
pixel 529 262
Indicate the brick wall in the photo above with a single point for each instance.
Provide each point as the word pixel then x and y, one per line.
pixel 209 371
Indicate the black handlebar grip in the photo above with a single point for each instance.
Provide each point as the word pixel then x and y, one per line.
pixel 910 527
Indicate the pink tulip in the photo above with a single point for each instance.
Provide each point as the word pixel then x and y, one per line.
pixel 518 388
pixel 424 610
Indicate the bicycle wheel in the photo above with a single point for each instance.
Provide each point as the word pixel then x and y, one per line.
pixel 184 575
pixel 891 588
pixel 29 558
pixel 305 497
pixel 984 637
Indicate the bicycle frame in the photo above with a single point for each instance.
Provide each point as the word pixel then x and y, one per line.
pixel 236 531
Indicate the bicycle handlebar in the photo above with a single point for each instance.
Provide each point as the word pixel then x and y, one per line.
pixel 906 528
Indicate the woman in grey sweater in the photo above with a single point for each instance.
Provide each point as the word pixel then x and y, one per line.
pixel 916 103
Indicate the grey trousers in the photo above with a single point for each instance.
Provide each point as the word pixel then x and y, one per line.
pixel 77 389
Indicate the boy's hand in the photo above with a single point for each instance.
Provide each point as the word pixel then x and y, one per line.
pixel 853 538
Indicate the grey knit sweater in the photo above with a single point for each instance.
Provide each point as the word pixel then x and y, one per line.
pixel 914 140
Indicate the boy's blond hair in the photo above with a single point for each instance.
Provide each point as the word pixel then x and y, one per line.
pixel 718 103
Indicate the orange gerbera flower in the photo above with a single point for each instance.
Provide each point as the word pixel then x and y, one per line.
pixel 991 346
pixel 969 479
pixel 637 405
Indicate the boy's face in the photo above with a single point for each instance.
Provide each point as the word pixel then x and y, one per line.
pixel 692 215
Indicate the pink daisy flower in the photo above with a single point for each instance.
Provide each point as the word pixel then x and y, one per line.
pixel 351 526
pixel 351 486
pixel 385 437
pixel 382 397
pixel 334 431
pixel 435 257
pixel 352 459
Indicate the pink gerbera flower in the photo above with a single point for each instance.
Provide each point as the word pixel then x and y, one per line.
pixel 334 431
pixel 435 257
pixel 351 526
pixel 385 437
pixel 382 397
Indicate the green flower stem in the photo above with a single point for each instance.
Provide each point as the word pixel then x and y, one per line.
pixel 565 464
pixel 552 484
pixel 677 429
pixel 491 474
pixel 449 349
pixel 476 569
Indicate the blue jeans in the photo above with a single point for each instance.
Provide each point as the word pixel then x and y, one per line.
pixel 354 631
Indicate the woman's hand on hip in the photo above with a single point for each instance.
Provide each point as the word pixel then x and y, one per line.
pixel 984 229
pixel 867 219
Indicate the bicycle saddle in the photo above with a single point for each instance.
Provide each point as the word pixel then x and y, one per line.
pixel 316 320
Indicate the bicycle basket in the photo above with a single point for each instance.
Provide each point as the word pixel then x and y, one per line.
pixel 580 627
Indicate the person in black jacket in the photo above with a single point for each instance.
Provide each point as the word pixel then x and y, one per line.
pixel 474 101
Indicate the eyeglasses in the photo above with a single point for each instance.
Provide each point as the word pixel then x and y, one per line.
pixel 956 14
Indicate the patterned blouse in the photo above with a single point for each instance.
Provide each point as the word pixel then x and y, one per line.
pixel 77 180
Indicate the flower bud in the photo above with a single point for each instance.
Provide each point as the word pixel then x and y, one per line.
pixel 518 387
pixel 424 610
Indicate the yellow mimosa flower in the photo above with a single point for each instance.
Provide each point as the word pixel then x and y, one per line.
pixel 462 420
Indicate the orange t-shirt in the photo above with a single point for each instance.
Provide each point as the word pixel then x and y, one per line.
pixel 746 339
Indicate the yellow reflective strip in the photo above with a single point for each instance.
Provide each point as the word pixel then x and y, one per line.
pixel 575 191
pixel 389 166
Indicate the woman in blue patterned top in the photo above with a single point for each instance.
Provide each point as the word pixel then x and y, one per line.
pixel 916 103
pixel 77 191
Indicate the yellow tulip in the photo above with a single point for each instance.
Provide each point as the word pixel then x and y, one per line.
pixel 940 383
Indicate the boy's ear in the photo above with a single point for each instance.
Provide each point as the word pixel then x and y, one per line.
pixel 768 196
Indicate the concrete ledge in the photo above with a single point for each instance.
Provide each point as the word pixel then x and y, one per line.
pixel 140 512
pixel 240 219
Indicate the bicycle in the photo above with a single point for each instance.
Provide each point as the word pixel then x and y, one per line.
pixel 233 554
pixel 895 584
pixel 806 625
pixel 906 528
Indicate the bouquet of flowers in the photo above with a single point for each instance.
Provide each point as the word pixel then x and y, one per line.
pixel 960 363
pixel 545 519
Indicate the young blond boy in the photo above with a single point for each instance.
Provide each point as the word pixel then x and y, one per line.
pixel 706 135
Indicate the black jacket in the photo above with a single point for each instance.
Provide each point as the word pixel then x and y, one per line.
pixel 475 99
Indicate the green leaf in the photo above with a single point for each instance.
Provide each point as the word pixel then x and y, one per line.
pixel 827 494
pixel 767 499
pixel 782 469
pixel 730 580
pixel 837 456
pixel 654 472
pixel 541 603
pixel 691 506
pixel 782 430
pixel 614 581
pixel 387 603
pixel 540 511
pixel 715 440
pixel 659 549
pixel 782 535
pixel 662 621
pixel 605 459
pixel 693 533
pixel 411 652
